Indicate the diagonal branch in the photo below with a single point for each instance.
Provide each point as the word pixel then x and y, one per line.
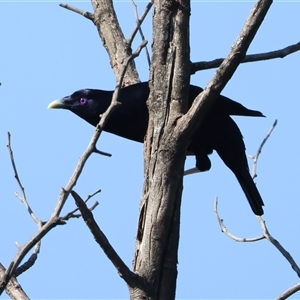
pixel 289 292
pixel 139 28
pixel 84 13
pixel 281 53
pixel 130 278
pixel 13 288
pixel 206 99
pixel 277 245
pixel 139 21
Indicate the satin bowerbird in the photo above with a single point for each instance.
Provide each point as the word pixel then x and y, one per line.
pixel 217 132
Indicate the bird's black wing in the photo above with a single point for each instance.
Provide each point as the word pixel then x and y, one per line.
pixel 217 132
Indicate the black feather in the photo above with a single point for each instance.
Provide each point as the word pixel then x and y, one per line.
pixel 217 132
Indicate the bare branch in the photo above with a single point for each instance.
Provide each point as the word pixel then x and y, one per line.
pixel 86 14
pixel 273 241
pixel 129 277
pixel 139 23
pixel 228 233
pixel 13 288
pixel 205 65
pixel 256 156
pixel 23 197
pixel 32 259
pixel 72 214
pixel 289 292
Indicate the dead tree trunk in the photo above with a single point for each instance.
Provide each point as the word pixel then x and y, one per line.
pixel 158 231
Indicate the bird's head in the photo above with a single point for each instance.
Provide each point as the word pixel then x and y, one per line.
pixel 87 104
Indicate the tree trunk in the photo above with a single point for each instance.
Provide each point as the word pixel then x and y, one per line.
pixel 158 230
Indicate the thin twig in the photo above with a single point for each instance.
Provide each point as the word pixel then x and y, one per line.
pixel 256 156
pixel 23 197
pixel 32 259
pixel 138 22
pixel 205 65
pixel 86 14
pixel 72 214
pixel 77 216
pixel 228 233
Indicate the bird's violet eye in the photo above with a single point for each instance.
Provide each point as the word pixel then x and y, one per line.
pixel 83 101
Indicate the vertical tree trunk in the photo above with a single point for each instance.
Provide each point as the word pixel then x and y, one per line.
pixel 158 231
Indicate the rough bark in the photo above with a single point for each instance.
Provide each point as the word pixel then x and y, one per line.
pixel 13 289
pixel 158 231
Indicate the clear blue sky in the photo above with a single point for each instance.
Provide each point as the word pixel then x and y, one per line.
pixel 48 52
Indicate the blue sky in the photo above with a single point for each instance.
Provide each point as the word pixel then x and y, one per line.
pixel 48 52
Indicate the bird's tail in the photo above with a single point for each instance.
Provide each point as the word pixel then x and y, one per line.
pixel 234 108
pixel 251 193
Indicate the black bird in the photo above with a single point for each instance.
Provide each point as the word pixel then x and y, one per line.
pixel 217 132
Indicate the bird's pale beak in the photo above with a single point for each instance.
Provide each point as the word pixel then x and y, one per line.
pixel 57 104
